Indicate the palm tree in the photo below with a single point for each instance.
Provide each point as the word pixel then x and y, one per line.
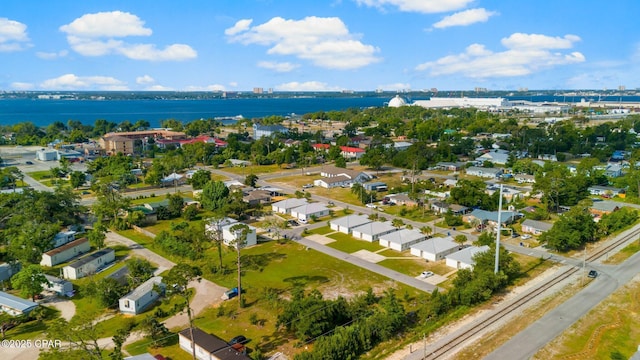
pixel 397 223
pixel 426 230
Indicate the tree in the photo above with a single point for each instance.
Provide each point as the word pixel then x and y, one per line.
pixel 97 235
pixel 77 179
pixel 572 230
pixel 426 230
pixel 341 162
pixel 177 280
pixel 175 205
pixel 251 180
pixel 30 280
pixel 110 204
pixel 215 195
pixel 460 239
pixel 140 270
pixel 156 330
pixel 397 223
pixel 240 232
pixel 81 333
pixel 200 178
pixel 106 290
pixel 214 233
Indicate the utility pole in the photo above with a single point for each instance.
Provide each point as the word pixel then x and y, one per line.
pixel 497 266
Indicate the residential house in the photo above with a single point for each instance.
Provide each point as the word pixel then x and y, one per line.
pixel 207 346
pixel 256 197
pixel 441 207
pixel 14 305
pixel 375 186
pixel 600 190
pixel 489 173
pixel 600 208
pixel 65 252
pixel 138 300
pixel 7 270
pixel 285 206
pixel 308 211
pixel 496 156
pixel 347 223
pixel 402 199
pixel 335 177
pixel 463 259
pixel 401 145
pixel 229 236
pixel 260 131
pixel 58 286
pixel 525 179
pixel 435 248
pixel 535 227
pixel 321 147
pixel 450 166
pixel 491 217
pixel 89 264
pixel 64 237
pixel 613 170
pixel 372 231
pixel 450 183
pixel 351 153
pixel 508 194
pixel 173 179
pixel 401 240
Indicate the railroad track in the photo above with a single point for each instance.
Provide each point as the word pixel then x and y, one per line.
pixel 519 302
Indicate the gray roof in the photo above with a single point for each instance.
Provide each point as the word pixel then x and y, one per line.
pixel 484 215
pixel 311 208
pixel 351 221
pixel 290 203
pixel 484 170
pixel 89 258
pixel 540 225
pixel 145 356
pixel 403 236
pixel 436 245
pixel 16 303
pixel 465 255
pixel 605 206
pixel 375 228
pixel 143 289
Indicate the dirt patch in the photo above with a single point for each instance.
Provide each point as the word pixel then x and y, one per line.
pixel 368 256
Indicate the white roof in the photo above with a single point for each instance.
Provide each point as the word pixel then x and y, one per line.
pixel 436 245
pixel 290 203
pixel 144 288
pixel 465 255
pixel 311 208
pixel 375 228
pixel 403 236
pixel 351 221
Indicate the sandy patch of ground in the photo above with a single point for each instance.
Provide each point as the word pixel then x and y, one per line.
pixel 368 256
pixel 320 239
pixel 66 307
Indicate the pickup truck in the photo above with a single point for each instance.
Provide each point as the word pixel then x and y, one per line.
pixel 230 294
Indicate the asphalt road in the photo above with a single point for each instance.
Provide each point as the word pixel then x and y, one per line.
pixel 526 343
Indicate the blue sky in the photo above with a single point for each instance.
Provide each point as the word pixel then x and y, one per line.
pixel 316 45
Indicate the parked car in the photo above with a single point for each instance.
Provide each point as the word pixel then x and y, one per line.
pixel 240 339
pixel 593 274
pixel 426 274
pixel 307 186
pixel 371 206
pixel 29 163
pixel 230 294
pixel 293 223
pixel 526 236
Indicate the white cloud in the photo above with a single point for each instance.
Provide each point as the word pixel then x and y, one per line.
pixel 306 86
pixel 465 18
pixel 420 6
pixel 240 26
pixel 326 42
pixel 145 80
pixel 278 67
pixel 396 86
pixel 74 82
pixel 52 55
pixel 106 24
pixel 525 54
pixel 100 34
pixel 22 86
pixel 158 88
pixel 233 84
pixel 214 87
pixel 13 36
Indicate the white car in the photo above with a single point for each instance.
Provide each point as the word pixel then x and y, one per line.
pixel 426 274
pixel 525 237
pixel 371 206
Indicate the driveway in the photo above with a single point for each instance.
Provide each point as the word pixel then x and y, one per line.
pixel 138 250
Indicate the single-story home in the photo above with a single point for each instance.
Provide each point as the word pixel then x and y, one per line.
pixel 207 346
pixel 346 224
pixel 333 176
pixel 463 259
pixel 349 152
pixel 310 210
pixel 535 227
pixel 333 182
pixel 285 206
pixel 58 286
pixel 605 190
pixel 372 231
pixel 375 186
pixel 491 217
pixel 401 199
pixel 442 207
pixel 65 252
pixel 141 297
pixel 450 183
pixel 89 264
pixel 435 249
pixel 496 156
pixel 14 305
pixel 525 179
pixel 509 194
pixel 64 237
pixel 450 166
pixel 401 240
pixel 256 197
pixel 7 270
pixel 600 208
pixel 173 179
pixel 489 173
pixel 229 236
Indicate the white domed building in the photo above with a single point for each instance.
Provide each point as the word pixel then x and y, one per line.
pixel 397 102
